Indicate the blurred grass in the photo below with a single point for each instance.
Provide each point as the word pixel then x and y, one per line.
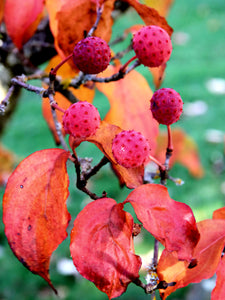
pixel 190 67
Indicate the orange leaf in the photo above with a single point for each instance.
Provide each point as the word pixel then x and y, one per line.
pixel 207 255
pixel 84 93
pixel 219 213
pixel 70 20
pixel 129 104
pixel 158 74
pixel 2 5
pixel 162 6
pixel 7 161
pixel 219 291
pixel 101 246
pixel 34 209
pixel 22 20
pixel 150 16
pixel 169 221
pixel 185 151
pixel 103 137
pixel 64 103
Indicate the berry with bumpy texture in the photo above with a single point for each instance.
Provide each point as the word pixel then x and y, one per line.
pixel 166 106
pixel 81 119
pixel 130 148
pixel 91 55
pixel 152 46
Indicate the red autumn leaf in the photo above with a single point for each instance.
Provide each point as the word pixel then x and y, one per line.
pixel 185 151
pixel 34 209
pixel 102 246
pixel 162 6
pixel 84 93
pixel 169 221
pixel 150 16
pixel 207 255
pixel 22 20
pixel 7 161
pixel 219 213
pixel 71 19
pixel 130 110
pixel 103 137
pixel 218 292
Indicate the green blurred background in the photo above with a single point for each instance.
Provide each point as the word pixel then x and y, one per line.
pixel 197 71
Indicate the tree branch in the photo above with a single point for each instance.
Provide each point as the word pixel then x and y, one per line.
pixel 82 177
pixel 99 14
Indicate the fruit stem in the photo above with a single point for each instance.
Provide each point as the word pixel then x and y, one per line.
pixel 55 106
pixel 169 149
pixel 161 166
pixel 54 71
pixel 170 143
pixel 122 69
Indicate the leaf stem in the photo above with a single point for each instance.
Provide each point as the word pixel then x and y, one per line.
pixel 161 166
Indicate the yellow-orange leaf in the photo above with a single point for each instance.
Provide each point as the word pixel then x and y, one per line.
pixel 162 6
pixel 185 151
pixel 22 20
pixel 34 209
pixel 2 4
pixel 71 20
pixel 129 104
pixel 7 161
pixel 158 74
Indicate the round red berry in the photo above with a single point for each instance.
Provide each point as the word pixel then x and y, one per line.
pixel 91 55
pixel 152 45
pixel 81 119
pixel 166 106
pixel 130 148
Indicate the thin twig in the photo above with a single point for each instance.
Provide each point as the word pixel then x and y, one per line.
pixel 156 253
pixel 96 168
pixel 117 76
pixel 99 14
pixel 121 54
pixel 21 81
pixel 5 102
pixel 58 126
pixel 82 181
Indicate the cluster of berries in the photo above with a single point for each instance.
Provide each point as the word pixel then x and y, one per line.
pixel 130 148
pixel 152 46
